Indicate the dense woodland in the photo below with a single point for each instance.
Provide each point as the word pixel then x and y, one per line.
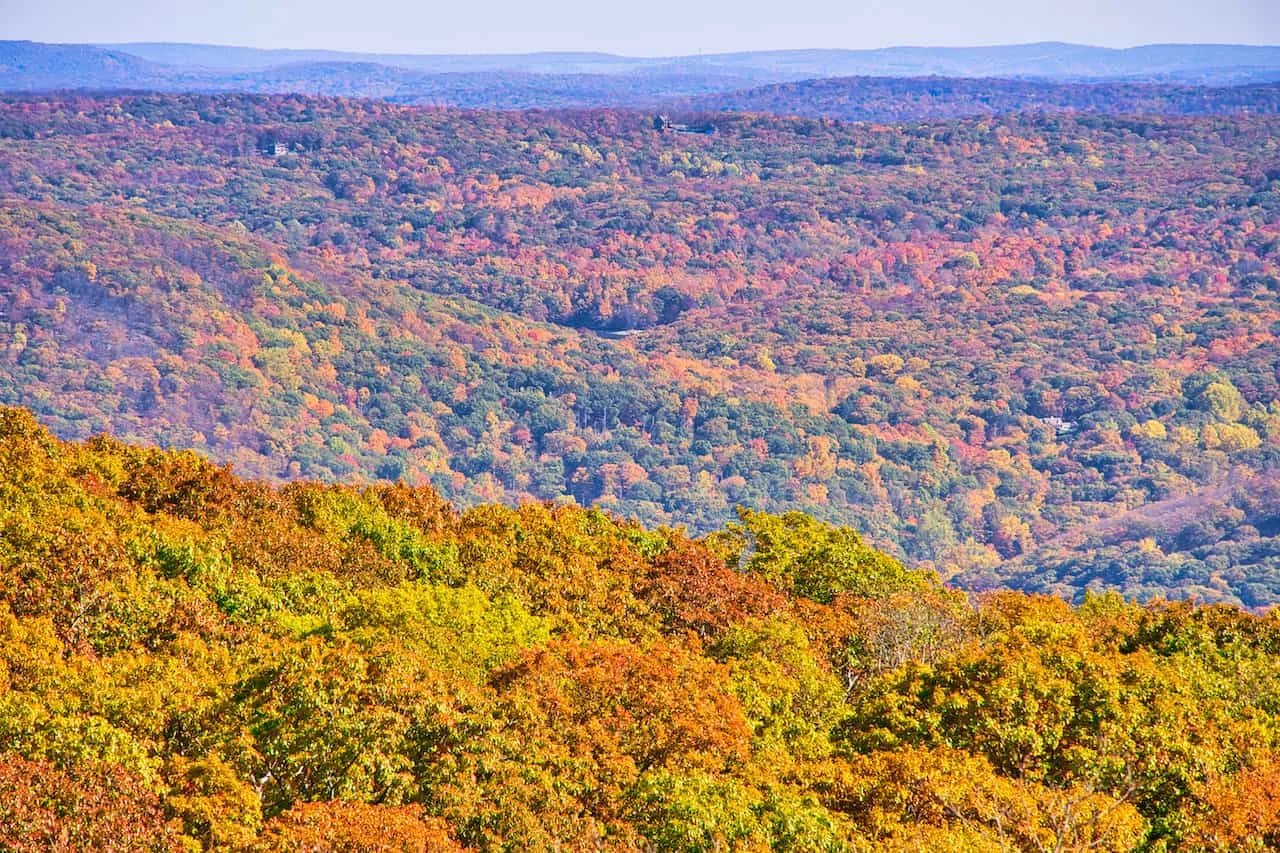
pixel 193 661
pixel 915 98
pixel 1023 349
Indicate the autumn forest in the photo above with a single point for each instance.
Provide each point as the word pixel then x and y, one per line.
pixel 1029 351
pixel 190 660
pixel 832 465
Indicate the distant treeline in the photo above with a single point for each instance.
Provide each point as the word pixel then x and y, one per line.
pixel 906 99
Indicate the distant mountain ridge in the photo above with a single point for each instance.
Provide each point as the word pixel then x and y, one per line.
pixel 560 80
pixel 40 65
pixel 232 58
pixel 1048 60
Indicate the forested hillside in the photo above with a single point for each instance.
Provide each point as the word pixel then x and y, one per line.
pixel 193 661
pixel 975 340
pixel 909 99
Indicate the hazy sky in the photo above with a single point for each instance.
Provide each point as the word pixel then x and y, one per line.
pixel 638 27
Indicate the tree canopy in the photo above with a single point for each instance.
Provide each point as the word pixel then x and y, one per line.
pixel 190 660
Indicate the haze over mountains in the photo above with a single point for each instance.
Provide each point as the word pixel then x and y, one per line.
pixel 558 80
pixel 1045 60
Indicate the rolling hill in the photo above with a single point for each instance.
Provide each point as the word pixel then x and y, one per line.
pixel 907 99
pixel 967 338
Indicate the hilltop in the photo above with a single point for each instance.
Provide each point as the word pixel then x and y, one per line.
pixel 193 661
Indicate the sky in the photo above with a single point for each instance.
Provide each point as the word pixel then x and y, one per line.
pixel 638 27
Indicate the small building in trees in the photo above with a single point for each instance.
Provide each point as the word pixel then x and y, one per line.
pixel 664 124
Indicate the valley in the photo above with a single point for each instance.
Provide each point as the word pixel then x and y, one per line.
pixel 964 337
